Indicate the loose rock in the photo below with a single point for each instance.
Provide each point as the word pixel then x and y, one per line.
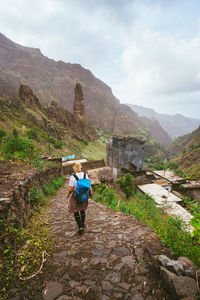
pixel 52 290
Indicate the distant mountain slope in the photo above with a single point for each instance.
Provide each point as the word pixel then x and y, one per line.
pixel 175 125
pixel 55 81
pixel 157 132
pixel 187 150
pixel 187 142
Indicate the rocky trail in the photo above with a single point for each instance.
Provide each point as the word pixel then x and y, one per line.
pixel 111 260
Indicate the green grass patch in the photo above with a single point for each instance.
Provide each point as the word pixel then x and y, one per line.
pixel 22 246
pixel 170 229
pixel 193 172
pixel 15 147
pixel 94 149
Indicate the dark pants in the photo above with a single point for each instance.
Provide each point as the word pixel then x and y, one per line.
pixel 80 218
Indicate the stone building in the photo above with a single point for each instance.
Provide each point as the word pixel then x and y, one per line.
pixel 79 109
pixel 125 153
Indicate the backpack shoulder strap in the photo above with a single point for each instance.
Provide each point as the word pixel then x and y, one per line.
pixel 84 175
pixel 75 176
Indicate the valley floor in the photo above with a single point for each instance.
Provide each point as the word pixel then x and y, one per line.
pixel 112 260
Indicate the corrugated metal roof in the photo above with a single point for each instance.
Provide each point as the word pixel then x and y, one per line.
pixel 158 193
pixel 192 184
pixel 168 175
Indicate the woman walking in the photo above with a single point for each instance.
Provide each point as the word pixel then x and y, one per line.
pixel 78 208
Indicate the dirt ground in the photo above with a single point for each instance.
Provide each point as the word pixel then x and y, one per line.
pixel 111 260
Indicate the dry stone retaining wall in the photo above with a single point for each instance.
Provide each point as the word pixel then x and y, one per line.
pixel 16 202
pixel 88 165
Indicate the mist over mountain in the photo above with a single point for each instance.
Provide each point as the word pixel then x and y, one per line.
pixel 175 125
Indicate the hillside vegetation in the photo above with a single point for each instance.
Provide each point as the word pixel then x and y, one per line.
pixel 50 130
pixel 186 152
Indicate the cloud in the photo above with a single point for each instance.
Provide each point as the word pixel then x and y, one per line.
pixel 147 51
pixel 161 69
pixel 159 64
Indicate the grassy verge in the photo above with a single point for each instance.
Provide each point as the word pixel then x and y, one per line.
pixel 95 150
pixel 22 247
pixel 169 229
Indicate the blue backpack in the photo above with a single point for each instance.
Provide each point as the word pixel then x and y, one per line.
pixel 82 192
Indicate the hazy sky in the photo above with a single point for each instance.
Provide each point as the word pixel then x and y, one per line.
pixel 147 51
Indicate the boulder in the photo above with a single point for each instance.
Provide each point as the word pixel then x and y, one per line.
pixel 172 265
pixel 189 267
pixel 166 277
pixel 184 286
pixel 178 286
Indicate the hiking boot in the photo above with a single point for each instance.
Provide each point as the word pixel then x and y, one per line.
pixel 81 231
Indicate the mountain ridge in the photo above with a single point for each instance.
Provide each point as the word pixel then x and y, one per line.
pixel 55 80
pixel 175 125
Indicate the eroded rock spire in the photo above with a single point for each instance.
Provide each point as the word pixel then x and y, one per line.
pixel 79 109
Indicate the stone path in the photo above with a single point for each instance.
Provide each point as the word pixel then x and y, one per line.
pixel 112 260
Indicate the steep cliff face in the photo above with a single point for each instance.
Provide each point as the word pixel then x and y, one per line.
pixel 55 81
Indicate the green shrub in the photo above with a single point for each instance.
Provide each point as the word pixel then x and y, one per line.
pixel 194 208
pixel 50 189
pixel 57 144
pixel 3 134
pixel 32 134
pixel 184 151
pixel 173 166
pixel 126 184
pixel 16 147
pixel 36 197
pixel 37 163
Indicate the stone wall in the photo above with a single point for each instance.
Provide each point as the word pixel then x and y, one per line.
pixel 16 202
pixel 89 165
pixel 124 151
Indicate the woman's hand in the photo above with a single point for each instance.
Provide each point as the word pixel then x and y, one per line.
pixel 71 188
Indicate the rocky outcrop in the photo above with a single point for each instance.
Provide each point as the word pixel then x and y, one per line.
pixel 79 109
pixel 80 127
pixel 60 122
pixel 27 96
pixel 179 276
